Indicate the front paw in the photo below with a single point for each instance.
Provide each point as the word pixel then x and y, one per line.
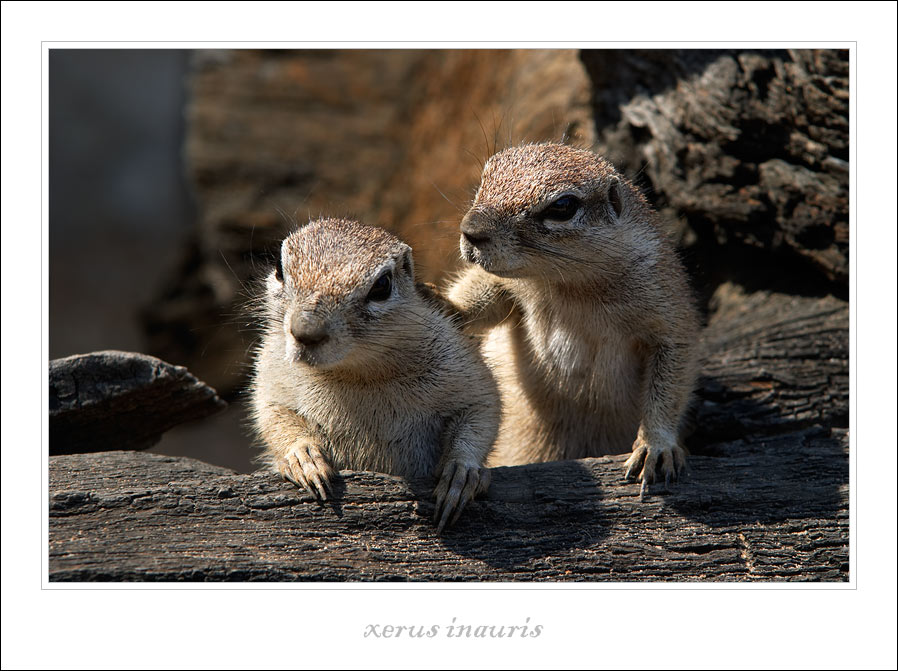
pixel 306 467
pixel 651 458
pixel 458 484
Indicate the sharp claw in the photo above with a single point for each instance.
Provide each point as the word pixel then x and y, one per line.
pixel 311 474
pixel 446 509
pixel 321 465
pixel 442 489
pixel 458 509
pixel 458 485
pixel 444 518
pixel 472 485
pixel 635 464
pixel 439 506
pixel 316 480
pixel 486 478
pixel 305 486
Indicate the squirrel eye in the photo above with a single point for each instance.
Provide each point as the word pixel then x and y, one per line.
pixel 279 270
pixel 562 209
pixel 382 288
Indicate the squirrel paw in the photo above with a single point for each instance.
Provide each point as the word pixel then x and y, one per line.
pixel 458 484
pixel 648 460
pixel 306 467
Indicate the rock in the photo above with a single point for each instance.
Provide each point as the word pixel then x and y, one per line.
pixel 115 400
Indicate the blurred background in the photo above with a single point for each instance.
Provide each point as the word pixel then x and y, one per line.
pixel 173 175
pixel 122 214
pixel 119 201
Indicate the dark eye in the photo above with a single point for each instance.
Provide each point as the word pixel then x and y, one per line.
pixel 563 209
pixel 279 270
pixel 382 288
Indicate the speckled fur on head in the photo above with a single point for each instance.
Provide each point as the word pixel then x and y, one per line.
pixel 518 178
pixel 336 256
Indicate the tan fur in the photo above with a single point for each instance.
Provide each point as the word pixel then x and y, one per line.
pixel 588 325
pixel 390 385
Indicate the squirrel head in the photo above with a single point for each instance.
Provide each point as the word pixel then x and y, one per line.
pixel 549 211
pixel 340 292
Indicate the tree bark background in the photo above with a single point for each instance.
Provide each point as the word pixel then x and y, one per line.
pixel 748 148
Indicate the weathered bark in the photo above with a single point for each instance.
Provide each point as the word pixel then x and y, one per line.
pixel 750 147
pixel 772 363
pixel 114 400
pixel 770 510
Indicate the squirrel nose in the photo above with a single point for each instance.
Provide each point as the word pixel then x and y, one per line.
pixel 477 238
pixel 309 337
pixel 474 231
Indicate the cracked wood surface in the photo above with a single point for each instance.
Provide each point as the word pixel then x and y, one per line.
pixel 774 509
pixel 773 363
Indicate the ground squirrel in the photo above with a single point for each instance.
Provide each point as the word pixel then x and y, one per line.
pixel 590 324
pixel 358 368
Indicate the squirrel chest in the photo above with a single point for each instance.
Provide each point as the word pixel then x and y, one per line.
pixel 374 426
pixel 581 355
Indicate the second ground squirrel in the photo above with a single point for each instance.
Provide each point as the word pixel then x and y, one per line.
pixel 588 320
pixel 358 368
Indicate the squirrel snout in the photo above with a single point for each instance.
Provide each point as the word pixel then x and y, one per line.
pixel 474 232
pixel 478 238
pixel 475 229
pixel 309 334
pixel 311 338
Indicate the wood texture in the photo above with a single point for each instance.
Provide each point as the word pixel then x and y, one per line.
pixel 747 147
pixel 771 510
pixel 773 363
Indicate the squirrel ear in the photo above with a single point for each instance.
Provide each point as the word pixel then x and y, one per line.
pixel 614 198
pixel 408 265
